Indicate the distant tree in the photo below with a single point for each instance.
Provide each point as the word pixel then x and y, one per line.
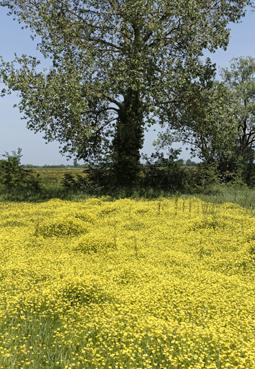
pixel 116 66
pixel 180 161
pixel 75 163
pixel 190 163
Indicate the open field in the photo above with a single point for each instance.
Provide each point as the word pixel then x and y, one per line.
pixel 127 284
pixel 51 178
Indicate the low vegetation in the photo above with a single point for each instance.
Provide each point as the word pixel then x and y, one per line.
pixel 166 283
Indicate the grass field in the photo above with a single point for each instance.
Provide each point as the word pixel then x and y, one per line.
pixel 51 178
pixel 127 284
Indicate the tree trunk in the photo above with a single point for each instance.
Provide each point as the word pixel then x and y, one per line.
pixel 128 140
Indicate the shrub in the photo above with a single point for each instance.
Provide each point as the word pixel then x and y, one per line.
pixel 95 180
pixel 158 174
pixel 171 175
pixel 167 174
pixel 14 178
pixel 204 178
pixel 69 182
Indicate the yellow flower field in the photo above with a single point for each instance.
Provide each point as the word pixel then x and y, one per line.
pixel 127 285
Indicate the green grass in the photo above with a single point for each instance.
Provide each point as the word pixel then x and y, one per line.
pixel 241 195
pixel 51 178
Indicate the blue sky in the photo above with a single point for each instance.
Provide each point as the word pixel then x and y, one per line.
pixel 13 131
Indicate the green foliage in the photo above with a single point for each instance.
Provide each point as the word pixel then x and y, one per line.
pixel 117 67
pixel 219 122
pixel 205 177
pixel 14 178
pixel 209 126
pixel 163 173
pixel 94 180
pixel 159 174
pixel 240 80
pixel 69 182
pixel 170 175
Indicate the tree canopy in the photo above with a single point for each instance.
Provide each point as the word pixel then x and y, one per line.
pixel 116 66
pixel 219 120
pixel 240 79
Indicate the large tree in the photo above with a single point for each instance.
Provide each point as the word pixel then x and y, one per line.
pixel 239 78
pixel 207 124
pixel 218 121
pixel 116 66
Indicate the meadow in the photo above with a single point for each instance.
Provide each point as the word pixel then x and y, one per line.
pixel 127 284
pixel 52 177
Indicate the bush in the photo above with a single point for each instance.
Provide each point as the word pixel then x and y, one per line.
pixel 14 178
pixel 171 175
pixel 69 182
pixel 158 175
pixel 96 180
pixel 204 178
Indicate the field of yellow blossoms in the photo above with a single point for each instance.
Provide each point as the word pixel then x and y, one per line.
pixel 127 284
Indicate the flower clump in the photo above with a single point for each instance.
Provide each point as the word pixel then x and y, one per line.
pixel 127 284
pixel 60 227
